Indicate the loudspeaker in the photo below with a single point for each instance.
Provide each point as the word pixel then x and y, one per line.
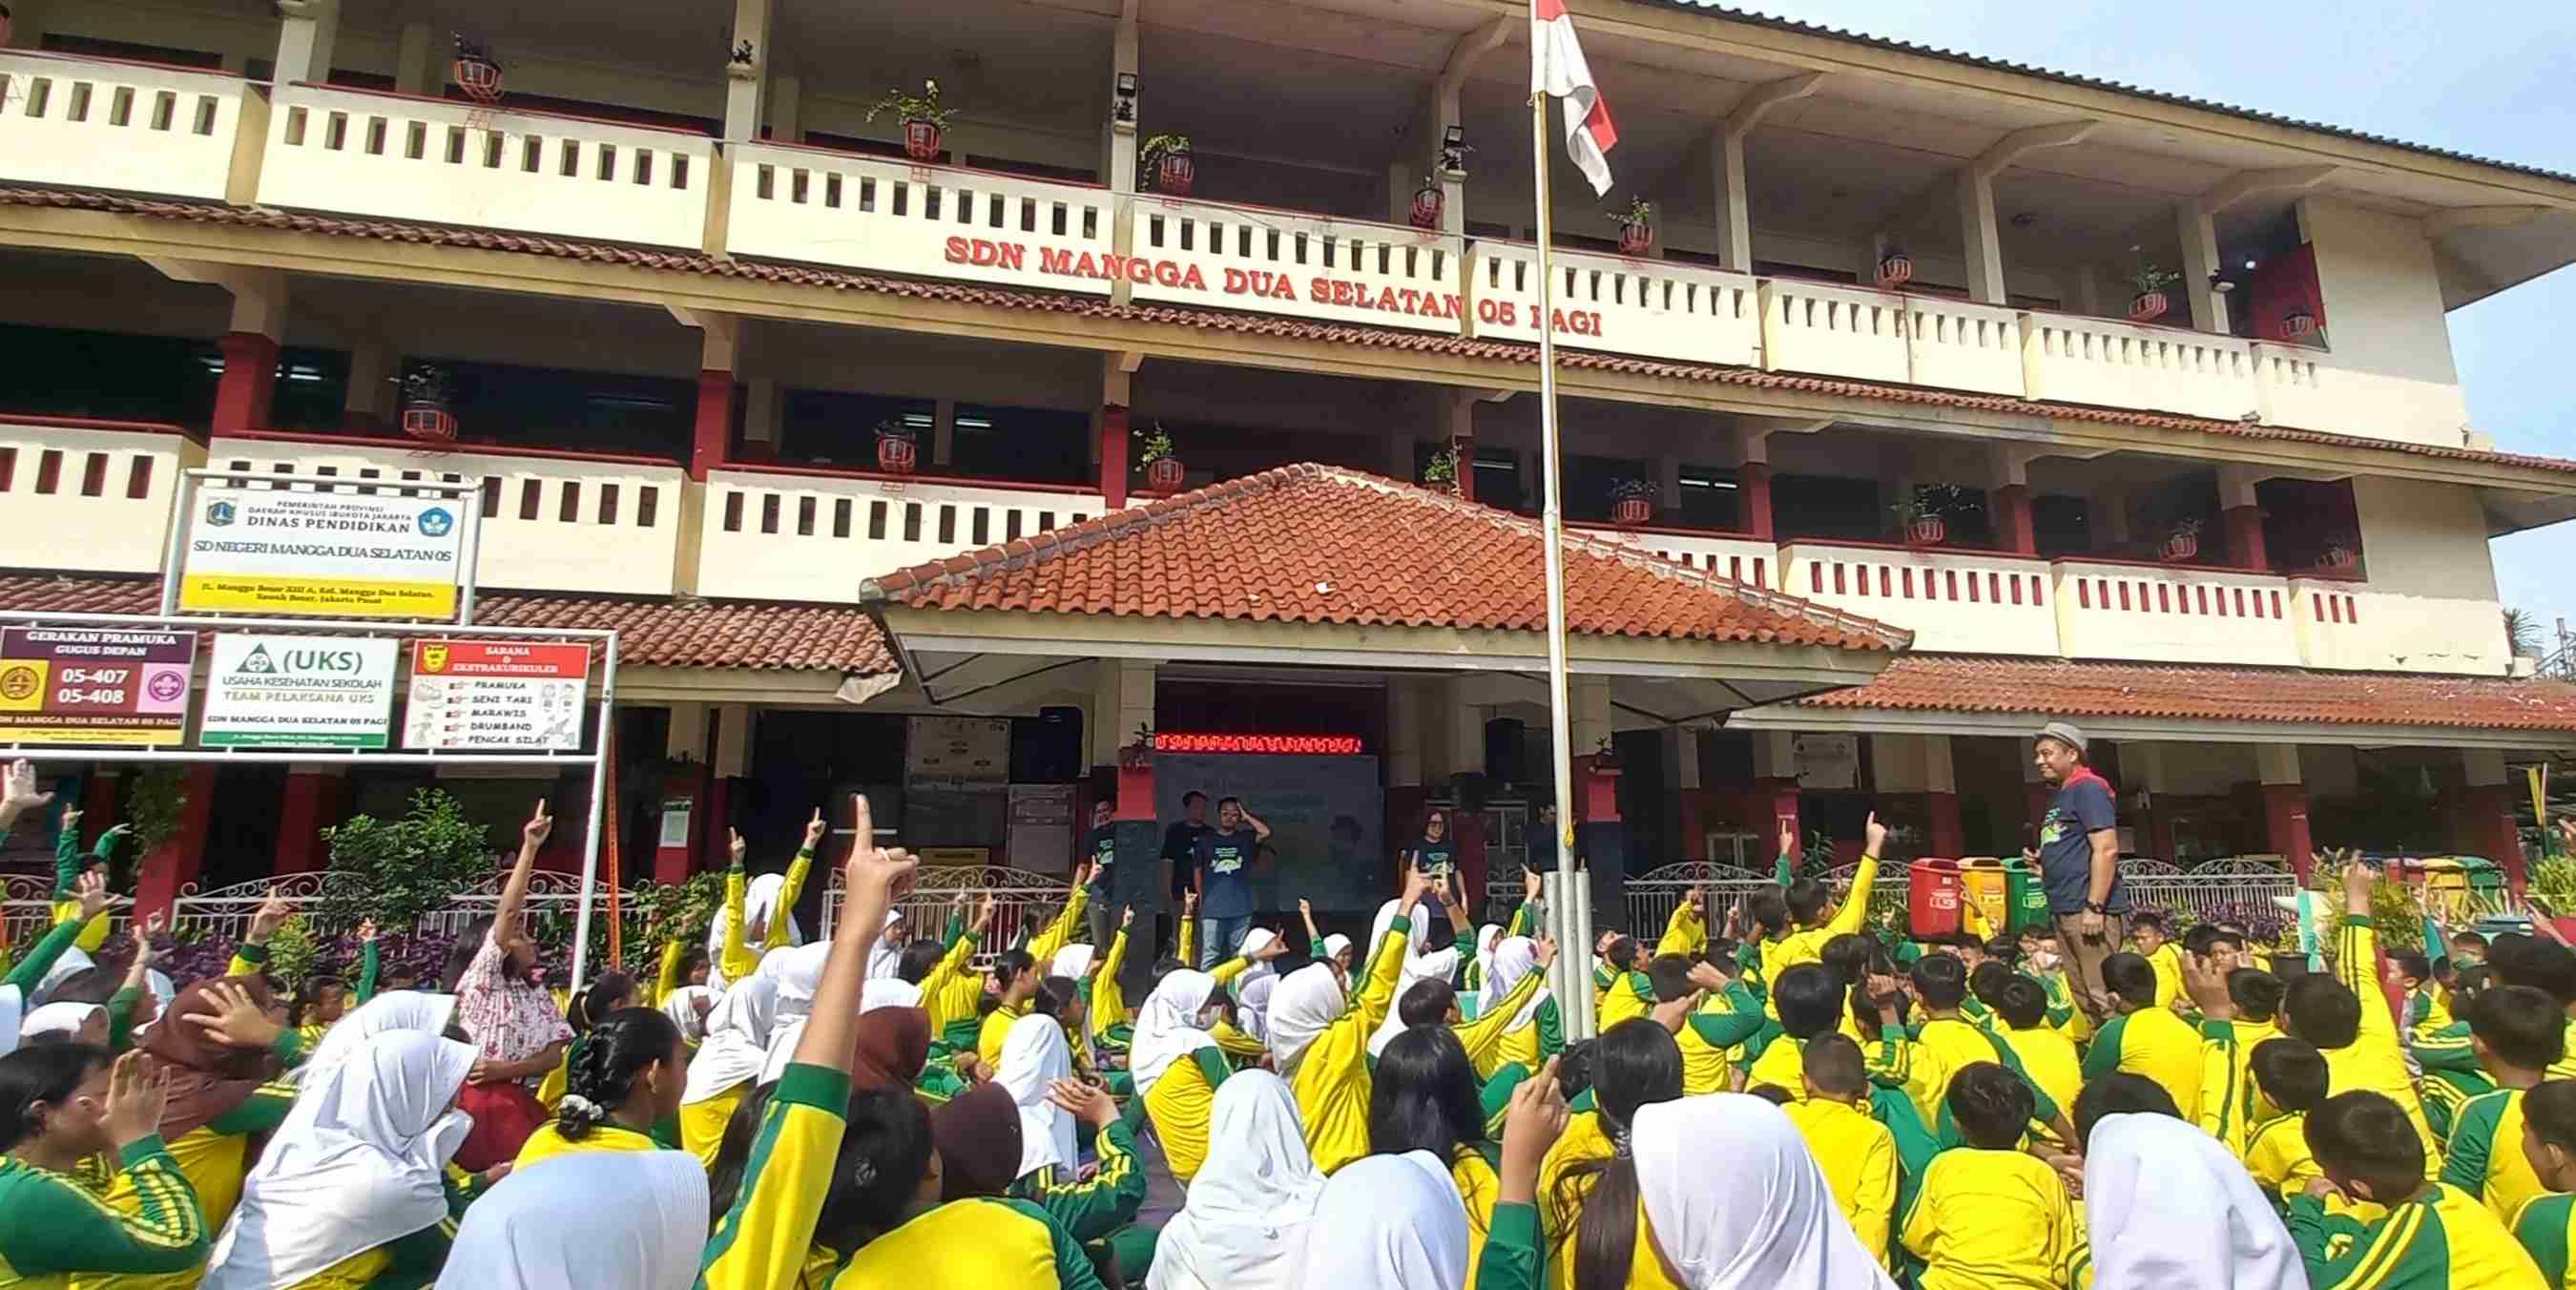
pixel 1506 738
pixel 1047 748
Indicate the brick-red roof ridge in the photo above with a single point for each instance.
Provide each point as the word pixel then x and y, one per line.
pixel 1213 319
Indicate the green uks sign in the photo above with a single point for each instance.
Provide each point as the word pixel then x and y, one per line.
pixel 299 692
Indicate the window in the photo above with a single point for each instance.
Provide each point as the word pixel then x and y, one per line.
pixel 1038 445
pixel 117 377
pixel 836 428
pixel 503 403
pixel 1710 499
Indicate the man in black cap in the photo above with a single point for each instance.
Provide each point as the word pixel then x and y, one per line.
pixel 2078 858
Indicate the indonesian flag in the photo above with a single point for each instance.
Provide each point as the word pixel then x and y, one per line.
pixel 1557 68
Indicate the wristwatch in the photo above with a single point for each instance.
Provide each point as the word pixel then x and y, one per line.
pixel 2092 907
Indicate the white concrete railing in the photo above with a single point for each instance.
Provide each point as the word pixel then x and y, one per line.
pixel 2347 625
pixel 95 494
pixel 813 535
pixel 2071 359
pixel 1957 345
pixel 1750 561
pixel 820 207
pixel 1652 308
pixel 1306 266
pixel 403 157
pixel 130 127
pixel 1829 330
pixel 2305 388
pixel 2176 613
pixel 1976 602
pixel 549 523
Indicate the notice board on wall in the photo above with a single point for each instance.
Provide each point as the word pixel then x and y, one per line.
pixel 1327 818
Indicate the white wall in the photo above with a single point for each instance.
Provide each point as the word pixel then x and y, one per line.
pixel 2383 298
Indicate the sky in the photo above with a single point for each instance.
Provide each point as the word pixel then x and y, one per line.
pixel 2489 79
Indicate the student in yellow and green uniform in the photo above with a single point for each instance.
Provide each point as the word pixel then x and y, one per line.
pixel 2145 1039
pixel 1319 1035
pixel 2147 931
pixel 1947 1043
pixel 2518 1032
pixel 760 910
pixel 1856 1152
pixel 622 1089
pixel 1423 1098
pixel 1714 1035
pixel 1537 1030
pixel 2451 1071
pixel 70 864
pixel 1435 1003
pixel 2347 1017
pixel 1988 1216
pixel 1016 974
pixel 951 990
pixel 1177 1067
pixel 1812 1003
pixel 901 1234
pixel 2231 1101
pixel 2291 1076
pixel 2549 1143
pixel 60 1105
pixel 1097 1209
pixel 2421 993
pixel 1107 1023
pixel 1816 917
pixel 2040 1051
pixel 1634 1065
pixel 2433 1236
pixel 1621 990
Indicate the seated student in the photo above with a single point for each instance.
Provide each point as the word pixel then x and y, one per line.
pixel 1177 1068
pixel 1944 1041
pixel 2219 945
pixel 1242 1224
pixel 2146 1038
pixel 727 1066
pixel 2291 1077
pixel 1622 990
pixel 1321 1045
pixel 1857 1153
pixel 2433 1236
pixel 625 1081
pixel 2166 1206
pixel 2042 1052
pixel 1817 918
pixel 2345 1017
pixel 884 1208
pixel 1037 1067
pixel 1435 1003
pixel 1988 1216
pixel 2414 973
pixel 1537 1031
pixel 2518 1033
pixel 2147 931
pixel 2548 967
pixel 2119 1093
pixel 70 866
pixel 1422 1101
pixel 60 1105
pixel 1587 1178
pixel 2549 1143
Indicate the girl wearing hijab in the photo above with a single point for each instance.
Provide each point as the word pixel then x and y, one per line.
pixel 1177 1067
pixel 1425 1102
pixel 1109 1026
pixel 1334 949
pixel 60 1105
pixel 634 1221
pixel 621 1090
pixel 951 990
pixel 1438 965
pixel 1321 1045
pixel 1037 1070
pixel 1389 1222
pixel 758 914
pixel 1243 1224
pixel 1587 1193
pixel 611 991
pixel 2169 1209
pixel 28 973
pixel 513 1022
pixel 727 1063
pixel 889 1206
pixel 1537 1031
pixel 396 1011
pixel 353 1186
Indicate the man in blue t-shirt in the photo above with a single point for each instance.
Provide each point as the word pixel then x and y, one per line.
pixel 2078 858
pixel 1225 890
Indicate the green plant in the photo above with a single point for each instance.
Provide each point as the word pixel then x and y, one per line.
pixel 1921 504
pixel 424 383
pixel 894 428
pixel 2554 881
pixel 2522 633
pixel 1152 445
pixel 1151 152
pixel 1442 470
pixel 1623 489
pixel 681 910
pixel 153 803
pixel 2148 276
pixel 1640 211
pixel 924 107
pixel 292 952
pixel 397 870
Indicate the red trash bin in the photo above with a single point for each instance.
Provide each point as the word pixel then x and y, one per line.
pixel 1933 894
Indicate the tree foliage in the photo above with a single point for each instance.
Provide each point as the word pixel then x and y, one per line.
pixel 397 870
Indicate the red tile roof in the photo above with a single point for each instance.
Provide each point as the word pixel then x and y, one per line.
pixel 650 633
pixel 1321 544
pixel 1249 324
pixel 2050 687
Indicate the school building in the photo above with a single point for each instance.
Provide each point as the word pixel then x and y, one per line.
pixel 1183 380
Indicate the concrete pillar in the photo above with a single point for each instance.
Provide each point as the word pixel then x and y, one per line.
pixel 2488 824
pixel 371 378
pixel 1947 836
pixel 315 794
pixel 1122 701
pixel 685 799
pixel 249 383
pixel 1690 801
pixel 1978 239
pixel 304 43
pixel 1461 727
pixel 2015 531
pixel 2035 795
pixel 2243 518
pixel 173 866
pixel 727 769
pixel 786 94
pixel 1458 430
pixel 1734 208
pixel 2199 235
pixel 743 86
pixel 943 434
pixel 1118 150
pixel 2285 804
pixel 1110 431
pixel 2084 282
pixel 1753 486
pixel 1668 484
pixel 710 435
pixel 2111 517
pixel 420 60
pixel 761 411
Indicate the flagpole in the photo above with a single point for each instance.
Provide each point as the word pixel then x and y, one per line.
pixel 1573 903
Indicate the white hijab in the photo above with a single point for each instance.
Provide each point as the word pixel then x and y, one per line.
pixel 682 1009
pixel 883 959
pixel 1487 937
pixel 799 973
pixel 73 962
pixel 634 1220
pixel 1167 1026
pixel 1514 958
pixel 759 905
pixel 1307 1000
pixel 1252 1006
pixel 1034 1057
pixel 1335 944
pixel 1240 1227
pixel 13 1007
pixel 387 1013
pixel 358 1162
pixel 1073 961
pixel 2170 1209
pixel 1440 965
pixel 1737 1203
pixel 1254 942
pixel 1390 1223
pixel 66 1018
pixel 892 992
pixel 737 1038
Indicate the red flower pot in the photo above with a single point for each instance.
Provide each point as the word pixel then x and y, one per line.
pixel 1931 530
pixel 1427 201
pixel 1635 239
pixel 1165 474
pixel 1632 510
pixel 429 422
pixel 2148 306
pixel 921 141
pixel 2181 547
pixel 1895 271
pixel 480 78
pixel 2298 322
pixel 896 454
pixel 1174 173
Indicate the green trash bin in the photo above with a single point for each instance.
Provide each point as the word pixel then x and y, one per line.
pixel 2025 896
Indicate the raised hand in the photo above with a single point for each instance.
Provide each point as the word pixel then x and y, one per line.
pixel 237 1021
pixel 1278 945
pixel 273 913
pixel 814 829
pixel 735 845
pixel 1873 837
pixel 91 889
pixel 72 818
pixel 2207 988
pixel 870 867
pixel 18 792
pixel 1416 883
pixel 1189 903
pixel 138 1091
pixel 1788 838
pixel 984 915
pixel 1126 918
pixel 1543 952
pixel 144 955
pixel 2357 882
pixel 1672 1013
pixel 1533 884
pixel 1531 1124
pixel 539 827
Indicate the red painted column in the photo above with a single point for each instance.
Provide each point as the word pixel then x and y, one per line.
pixel 173 866
pixel 1753 484
pixel 673 863
pixel 2285 817
pixel 1113 455
pixel 1941 826
pixel 1465 446
pixel 249 383
pixel 1469 832
pixel 714 428
pixel 711 822
pixel 101 795
pixel 2245 537
pixel 1596 787
pixel 1777 798
pixel 312 803
pixel 2014 530
pixel 2160 830
pixel 2491 831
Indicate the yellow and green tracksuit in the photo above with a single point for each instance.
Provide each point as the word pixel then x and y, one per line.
pixel 2374 1061
pixel 1483 1037
pixel 213 1159
pixel 1993 1220
pixel 950 992
pixel 740 960
pixel 2231 1103
pixel 988 1244
pixel 1858 1156
pixel 2443 1239
pixel 2152 1042
pixel 2046 1058
pixel 1781 1063
pixel 69 865
pixel 1560 1204
pixel 1807 945
pixel 1947 1045
pixel 1090 1208
pixel 52 1227
pixel 1629 996
pixel 2542 1228
pixel 1713 1037
pixel 410 1260
pixel 2452 1075
pixel 1541 1038
pixel 1685 933
pixel 1331 1078
pixel 548 1142
pixel 1181 1103
pixel 2485 1158
pixel 1476 1168
pixel 1106 1019
pixel 2167 961
pixel 762 1243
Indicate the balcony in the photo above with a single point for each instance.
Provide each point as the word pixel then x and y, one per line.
pixel 1750 561
pixel 2068 359
pixel 1969 602
pixel 126 127
pixel 2170 613
pixel 820 207
pixel 1649 308
pixel 802 533
pixel 1191 252
pixel 101 489
pixel 2306 388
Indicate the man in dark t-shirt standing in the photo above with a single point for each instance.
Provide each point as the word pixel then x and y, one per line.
pixel 2078 858
pixel 1180 858
pixel 1100 846
pixel 1225 888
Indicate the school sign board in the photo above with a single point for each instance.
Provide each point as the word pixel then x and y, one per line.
pixel 89 685
pixel 495 695
pixel 298 692
pixel 344 555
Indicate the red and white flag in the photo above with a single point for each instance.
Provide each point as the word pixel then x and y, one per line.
pixel 1557 68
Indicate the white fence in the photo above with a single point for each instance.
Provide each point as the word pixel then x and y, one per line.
pixel 223 916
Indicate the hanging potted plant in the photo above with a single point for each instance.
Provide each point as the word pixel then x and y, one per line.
pixel 897 450
pixel 2341 550
pixel 2150 302
pixel 1167 158
pixel 2299 322
pixel 1895 268
pixel 1154 452
pixel 1636 226
pixel 1918 519
pixel 1428 199
pixel 924 119
pixel 425 410
pixel 1440 474
pixel 1632 502
pixel 478 73
pixel 2182 541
